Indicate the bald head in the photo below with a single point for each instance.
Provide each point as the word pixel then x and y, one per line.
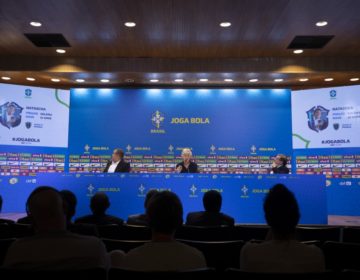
pixel 45 205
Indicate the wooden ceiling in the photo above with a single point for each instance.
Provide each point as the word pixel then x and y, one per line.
pixel 180 39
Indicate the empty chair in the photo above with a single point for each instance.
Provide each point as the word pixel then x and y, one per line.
pixel 318 233
pixel 351 234
pixel 247 233
pixel 219 254
pixel 116 274
pixel 221 233
pixel 340 256
pixel 124 245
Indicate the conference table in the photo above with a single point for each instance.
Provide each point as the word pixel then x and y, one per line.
pixel 242 194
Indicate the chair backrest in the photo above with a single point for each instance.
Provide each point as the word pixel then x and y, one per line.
pixel 88 274
pixel 340 256
pixel 249 232
pixel 124 245
pixel 5 231
pixel 116 274
pixel 318 233
pixel 4 246
pixel 84 229
pixel 351 234
pixel 233 273
pixel 135 232
pixel 219 254
pixel 199 233
pixel 109 231
pixel 21 230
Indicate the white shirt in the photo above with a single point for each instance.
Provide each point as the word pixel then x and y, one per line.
pixel 113 166
pixel 278 256
pixel 163 256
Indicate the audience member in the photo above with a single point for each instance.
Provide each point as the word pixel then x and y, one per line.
pixel 4 221
pixel 164 253
pixel 99 204
pixel 212 216
pixel 281 253
pixel 141 219
pixel 52 247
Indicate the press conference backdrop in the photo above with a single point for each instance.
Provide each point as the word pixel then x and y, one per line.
pixel 229 130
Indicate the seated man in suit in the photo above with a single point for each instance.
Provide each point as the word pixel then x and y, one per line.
pixel 279 165
pixel 212 216
pixel 99 203
pixel 117 163
pixel 141 219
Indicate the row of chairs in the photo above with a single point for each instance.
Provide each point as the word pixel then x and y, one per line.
pixel 224 254
pixel 238 232
pixel 116 274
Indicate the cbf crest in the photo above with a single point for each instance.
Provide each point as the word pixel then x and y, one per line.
pixel 318 118
pixel 10 114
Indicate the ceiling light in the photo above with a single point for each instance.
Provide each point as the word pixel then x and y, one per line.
pixel 278 80
pixel 225 24
pixel 60 51
pixel 154 80
pixel 354 79
pixel 298 51
pixel 253 80
pixel 55 80
pixel 178 80
pixel 30 79
pixel 228 80
pixel 80 80
pixel 6 78
pixel 203 80
pixel 321 23
pixel 303 80
pixel 328 79
pixel 35 23
pixel 130 24
pixel 104 80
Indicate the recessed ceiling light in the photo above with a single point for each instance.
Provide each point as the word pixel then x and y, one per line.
pixel 303 80
pixel 55 80
pixel 178 80
pixel 328 79
pixel 80 80
pixel 30 79
pixel 35 23
pixel 130 24
pixel 354 79
pixel 278 80
pixel 60 51
pixel 321 23
pixel 228 80
pixel 225 24
pixel 154 80
pixel 6 78
pixel 203 80
pixel 104 80
pixel 253 80
pixel 298 51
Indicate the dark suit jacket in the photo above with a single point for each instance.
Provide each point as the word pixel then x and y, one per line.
pixel 123 167
pixel 137 220
pixel 209 219
pixel 99 220
pixel 193 168
pixel 280 170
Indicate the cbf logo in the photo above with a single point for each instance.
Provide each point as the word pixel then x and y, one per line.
pixel 244 191
pixel 28 92
pixel 90 189
pixel 157 119
pixel 333 94
pixel 193 190
pixel 318 118
pixel 10 114
pixel 141 190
